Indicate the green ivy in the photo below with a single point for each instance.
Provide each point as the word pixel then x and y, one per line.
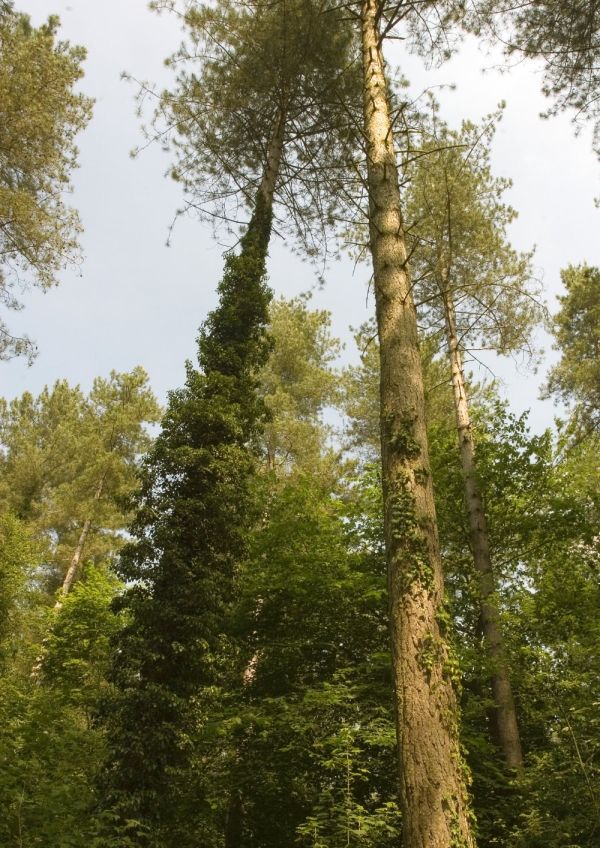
pixel 190 533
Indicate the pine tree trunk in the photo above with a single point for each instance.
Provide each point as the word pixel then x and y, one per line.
pixel 74 564
pixel 271 171
pixel 507 730
pixel 433 792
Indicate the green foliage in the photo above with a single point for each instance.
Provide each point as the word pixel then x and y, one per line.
pixel 243 69
pixel 249 670
pixel 77 650
pixel 59 448
pixel 40 115
pixel 48 748
pixel 576 326
pixel 457 228
pixel 311 702
pixel 541 511
pixel 541 501
pixel 190 534
pixel 337 818
pixel 54 662
pixel 16 555
pixel 298 382
pixel 333 611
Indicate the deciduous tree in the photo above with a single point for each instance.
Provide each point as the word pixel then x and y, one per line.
pixel 298 382
pixel 70 462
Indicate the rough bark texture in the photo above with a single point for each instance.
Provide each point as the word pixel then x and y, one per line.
pixel 433 792
pixel 74 564
pixel 505 718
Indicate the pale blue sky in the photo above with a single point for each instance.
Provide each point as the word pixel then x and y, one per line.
pixel 139 302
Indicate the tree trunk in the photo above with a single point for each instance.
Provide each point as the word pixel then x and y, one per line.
pixel 74 564
pixel 433 791
pixel 235 815
pixel 271 171
pixel 507 730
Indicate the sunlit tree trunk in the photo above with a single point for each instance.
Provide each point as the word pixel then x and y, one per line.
pixel 271 171
pixel 74 564
pixel 505 717
pixel 433 792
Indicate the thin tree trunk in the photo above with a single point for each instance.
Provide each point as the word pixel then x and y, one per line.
pixel 74 564
pixel 235 816
pixel 433 791
pixel 505 717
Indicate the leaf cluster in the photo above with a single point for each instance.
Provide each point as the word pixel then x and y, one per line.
pixel 40 115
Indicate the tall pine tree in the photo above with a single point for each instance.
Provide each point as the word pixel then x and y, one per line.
pixel 433 788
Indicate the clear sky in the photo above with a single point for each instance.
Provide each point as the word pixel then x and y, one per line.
pixel 138 301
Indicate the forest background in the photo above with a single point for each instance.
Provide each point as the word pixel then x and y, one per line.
pixel 248 698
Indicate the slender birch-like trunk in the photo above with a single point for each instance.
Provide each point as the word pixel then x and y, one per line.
pixel 74 564
pixel 433 791
pixel 70 575
pixel 505 716
pixel 235 815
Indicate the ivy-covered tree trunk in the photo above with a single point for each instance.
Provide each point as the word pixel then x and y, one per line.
pixel 433 791
pixel 195 508
pixel 505 717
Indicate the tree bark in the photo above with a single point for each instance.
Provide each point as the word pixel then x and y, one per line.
pixel 74 564
pixel 271 171
pixel 433 790
pixel 505 718
pixel 235 815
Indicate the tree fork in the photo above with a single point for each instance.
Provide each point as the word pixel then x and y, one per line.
pixel 505 716
pixel 433 791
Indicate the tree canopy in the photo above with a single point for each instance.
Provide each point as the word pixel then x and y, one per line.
pixel 243 70
pixel 41 113
pixel 565 36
